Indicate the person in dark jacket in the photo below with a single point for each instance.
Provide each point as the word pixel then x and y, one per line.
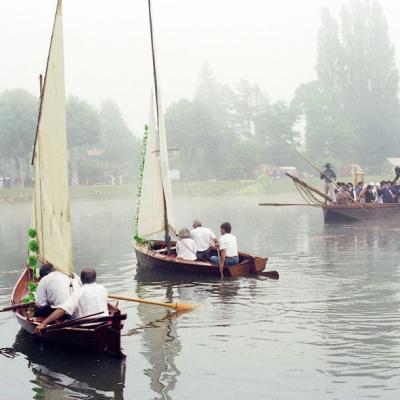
pixel 369 195
pixel 329 176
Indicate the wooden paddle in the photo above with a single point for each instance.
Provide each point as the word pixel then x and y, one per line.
pixel 174 306
pixel 270 274
pixel 15 306
pixel 221 267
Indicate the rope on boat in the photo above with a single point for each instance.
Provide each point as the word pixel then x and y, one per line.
pixel 307 195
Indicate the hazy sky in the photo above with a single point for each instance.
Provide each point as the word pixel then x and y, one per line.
pixel 107 49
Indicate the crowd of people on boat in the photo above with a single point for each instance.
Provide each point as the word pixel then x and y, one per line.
pixel 200 244
pixel 346 193
pixel 59 295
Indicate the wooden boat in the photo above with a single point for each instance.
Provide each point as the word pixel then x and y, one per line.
pixel 51 214
pixel 155 210
pixel 99 334
pixel 153 258
pixel 337 213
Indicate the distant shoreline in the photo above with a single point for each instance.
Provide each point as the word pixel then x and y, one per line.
pixel 202 188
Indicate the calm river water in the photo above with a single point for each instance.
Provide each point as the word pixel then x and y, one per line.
pixel 328 329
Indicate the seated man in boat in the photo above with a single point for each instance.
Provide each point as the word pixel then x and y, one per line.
pixel 89 299
pixel 186 247
pixel 351 190
pixel 358 190
pixel 329 176
pixel 228 246
pixel 344 198
pixel 368 194
pixel 204 238
pixel 387 194
pixel 53 289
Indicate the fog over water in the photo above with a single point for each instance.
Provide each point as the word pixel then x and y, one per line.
pixel 327 329
pixel 107 51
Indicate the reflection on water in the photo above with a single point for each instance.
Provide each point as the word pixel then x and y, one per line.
pixel 328 329
pixel 63 374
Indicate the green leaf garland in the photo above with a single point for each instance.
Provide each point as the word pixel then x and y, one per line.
pixel 33 248
pixel 137 238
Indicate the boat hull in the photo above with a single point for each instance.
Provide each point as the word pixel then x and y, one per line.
pixel 103 336
pixel 361 212
pixel 147 258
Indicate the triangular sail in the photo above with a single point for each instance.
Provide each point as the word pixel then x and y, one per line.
pixel 156 210
pixel 151 214
pixel 164 166
pixel 51 211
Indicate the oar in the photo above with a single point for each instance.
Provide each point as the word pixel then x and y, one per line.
pixel 270 274
pixel 221 267
pixel 175 306
pixel 15 306
pixel 71 322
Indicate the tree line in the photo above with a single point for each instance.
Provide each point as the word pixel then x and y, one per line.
pixel 349 114
pixel 101 147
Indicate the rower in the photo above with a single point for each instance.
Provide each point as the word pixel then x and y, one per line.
pixel 228 247
pixel 53 289
pixel 203 237
pixel 91 298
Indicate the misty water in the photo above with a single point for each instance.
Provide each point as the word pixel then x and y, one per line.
pixel 328 329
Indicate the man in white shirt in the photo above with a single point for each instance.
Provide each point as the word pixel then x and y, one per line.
pixel 228 247
pixel 91 298
pixel 53 289
pixel 204 238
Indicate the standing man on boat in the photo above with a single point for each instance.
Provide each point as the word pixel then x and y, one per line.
pixel 204 238
pixel 228 247
pixel 53 289
pixel 329 176
pixel 91 298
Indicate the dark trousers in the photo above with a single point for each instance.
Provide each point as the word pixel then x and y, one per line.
pixel 44 311
pixel 203 255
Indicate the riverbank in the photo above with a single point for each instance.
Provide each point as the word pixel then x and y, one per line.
pixel 202 188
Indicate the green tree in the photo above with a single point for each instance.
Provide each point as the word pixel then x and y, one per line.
pixel 191 129
pixel 83 123
pixel 352 109
pixel 371 80
pixel 121 147
pixel 18 118
pixel 83 126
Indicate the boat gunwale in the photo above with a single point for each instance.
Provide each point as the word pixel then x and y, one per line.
pixel 360 206
pixel 21 315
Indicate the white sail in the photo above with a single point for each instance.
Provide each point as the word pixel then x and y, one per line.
pixel 164 166
pixel 151 212
pixel 51 194
pixel 156 202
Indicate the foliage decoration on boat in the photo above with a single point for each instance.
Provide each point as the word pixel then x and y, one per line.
pixel 140 240
pixel 31 296
pixel 32 233
pixel 137 238
pixel 33 248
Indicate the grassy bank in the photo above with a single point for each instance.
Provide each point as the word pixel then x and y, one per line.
pixel 203 188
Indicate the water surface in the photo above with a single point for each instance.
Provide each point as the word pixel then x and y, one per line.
pixel 328 329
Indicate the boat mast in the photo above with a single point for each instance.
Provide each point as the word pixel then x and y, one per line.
pixel 166 226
